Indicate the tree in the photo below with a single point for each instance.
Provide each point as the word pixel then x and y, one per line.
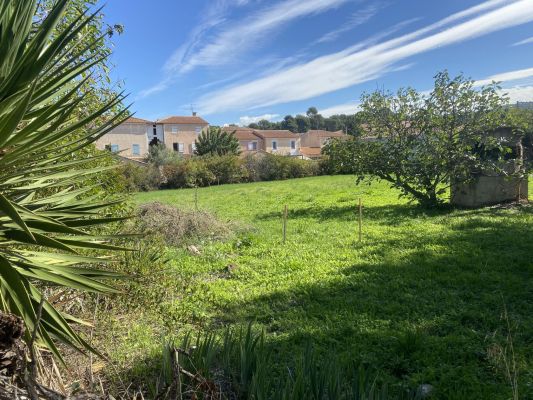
pixel 264 124
pixel 159 155
pixel 289 123
pixel 45 215
pixel 217 142
pixel 302 122
pixel 423 144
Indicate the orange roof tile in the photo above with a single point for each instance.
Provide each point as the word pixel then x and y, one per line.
pixel 310 151
pixel 275 134
pixel 175 119
pixel 134 120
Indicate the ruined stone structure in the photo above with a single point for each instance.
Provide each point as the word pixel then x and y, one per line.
pixel 493 187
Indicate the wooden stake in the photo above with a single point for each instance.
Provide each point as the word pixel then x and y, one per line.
pixel 196 197
pixel 285 224
pixel 360 220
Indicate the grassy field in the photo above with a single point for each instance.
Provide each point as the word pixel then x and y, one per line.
pixel 421 298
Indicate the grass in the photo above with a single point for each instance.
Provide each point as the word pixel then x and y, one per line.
pixel 421 298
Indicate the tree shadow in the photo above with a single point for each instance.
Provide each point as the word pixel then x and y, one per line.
pixel 442 295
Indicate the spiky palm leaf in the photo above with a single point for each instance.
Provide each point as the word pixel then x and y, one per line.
pixel 217 142
pixel 44 215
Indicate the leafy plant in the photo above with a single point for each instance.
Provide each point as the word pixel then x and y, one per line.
pixel 422 144
pixel 217 142
pixel 44 216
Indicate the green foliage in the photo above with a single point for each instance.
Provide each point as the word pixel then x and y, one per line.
pixel 45 214
pixel 234 365
pixel 139 177
pixel 217 142
pixel 419 299
pixel 314 120
pixel 422 144
pixel 159 155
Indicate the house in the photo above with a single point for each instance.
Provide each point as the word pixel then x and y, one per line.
pixel 133 137
pixel 279 142
pixel 129 138
pixel 248 140
pixel 313 141
pixel 180 133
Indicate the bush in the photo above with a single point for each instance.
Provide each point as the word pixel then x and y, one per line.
pixel 226 169
pixel 188 173
pixel 140 178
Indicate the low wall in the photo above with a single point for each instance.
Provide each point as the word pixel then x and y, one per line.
pixel 489 190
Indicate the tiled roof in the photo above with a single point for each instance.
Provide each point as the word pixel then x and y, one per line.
pixel 310 151
pixel 323 133
pixel 183 120
pixel 241 133
pixel 275 134
pixel 134 120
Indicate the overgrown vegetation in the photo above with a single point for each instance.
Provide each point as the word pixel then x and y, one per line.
pixel 420 300
pixel 177 172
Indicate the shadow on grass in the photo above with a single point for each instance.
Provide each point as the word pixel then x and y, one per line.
pixel 424 311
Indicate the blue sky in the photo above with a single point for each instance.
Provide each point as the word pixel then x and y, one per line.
pixel 236 61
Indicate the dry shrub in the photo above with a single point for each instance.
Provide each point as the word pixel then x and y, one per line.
pixel 178 227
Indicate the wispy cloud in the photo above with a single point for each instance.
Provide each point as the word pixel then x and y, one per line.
pixel 525 41
pixel 243 35
pixel 355 65
pixel 357 19
pixel 507 76
pixel 247 120
pixel 346 108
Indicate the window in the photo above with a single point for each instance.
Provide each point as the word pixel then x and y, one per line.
pixel 293 144
pixel 136 150
pixel 178 147
pixel 174 129
pixel 252 145
pixel 175 146
pixel 193 147
pixel 154 130
pixel 114 148
pixel 274 145
pixel 198 130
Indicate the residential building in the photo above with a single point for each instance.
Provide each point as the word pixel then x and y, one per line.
pixel 248 140
pixel 130 138
pixel 313 141
pixel 279 142
pixel 133 137
pixel 180 133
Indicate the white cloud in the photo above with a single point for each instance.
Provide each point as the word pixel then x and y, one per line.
pixel 519 93
pixel 246 120
pixel 354 65
pixel 506 76
pixel 357 19
pixel 345 108
pixel 242 35
pixel 525 41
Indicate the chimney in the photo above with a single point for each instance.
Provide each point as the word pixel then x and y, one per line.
pixel 194 113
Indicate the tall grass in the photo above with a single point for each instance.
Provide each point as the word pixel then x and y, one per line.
pixel 236 365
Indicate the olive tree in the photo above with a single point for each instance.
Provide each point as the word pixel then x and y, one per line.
pixel 422 143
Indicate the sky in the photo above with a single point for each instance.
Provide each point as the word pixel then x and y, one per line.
pixel 239 61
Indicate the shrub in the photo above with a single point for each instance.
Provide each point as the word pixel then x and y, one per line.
pixel 140 178
pixel 179 227
pixel 226 169
pixel 188 173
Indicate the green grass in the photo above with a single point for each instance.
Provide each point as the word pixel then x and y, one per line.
pixel 421 298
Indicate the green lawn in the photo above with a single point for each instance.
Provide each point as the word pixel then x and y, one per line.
pixel 421 298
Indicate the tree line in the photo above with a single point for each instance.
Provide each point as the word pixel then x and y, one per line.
pixel 313 120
